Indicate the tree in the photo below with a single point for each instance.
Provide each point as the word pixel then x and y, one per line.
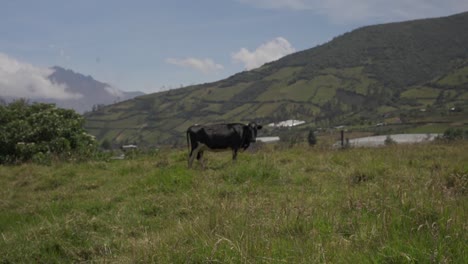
pixel 453 134
pixel 311 138
pixel 106 144
pixel 29 130
pixel 389 141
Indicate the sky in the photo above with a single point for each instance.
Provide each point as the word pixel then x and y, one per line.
pixel 149 46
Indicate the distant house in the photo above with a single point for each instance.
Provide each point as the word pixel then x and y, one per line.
pixel 287 123
pixel 129 147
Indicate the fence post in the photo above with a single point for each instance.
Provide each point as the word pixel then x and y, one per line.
pixel 342 138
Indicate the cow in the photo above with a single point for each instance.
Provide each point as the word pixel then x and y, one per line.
pixel 219 137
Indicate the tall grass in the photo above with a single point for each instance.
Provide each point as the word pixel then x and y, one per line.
pixel 298 205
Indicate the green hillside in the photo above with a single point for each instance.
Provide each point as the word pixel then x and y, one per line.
pixel 413 72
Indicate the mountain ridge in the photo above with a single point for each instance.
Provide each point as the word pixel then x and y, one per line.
pixel 95 93
pixel 92 93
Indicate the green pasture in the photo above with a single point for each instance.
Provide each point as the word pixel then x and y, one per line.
pixel 456 77
pixel 396 204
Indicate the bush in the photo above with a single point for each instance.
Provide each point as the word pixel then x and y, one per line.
pixel 389 141
pixel 454 134
pixel 38 131
pixel 311 138
pixel 106 144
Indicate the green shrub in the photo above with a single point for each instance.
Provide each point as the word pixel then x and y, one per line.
pixel 454 134
pixel 33 131
pixel 389 141
pixel 311 138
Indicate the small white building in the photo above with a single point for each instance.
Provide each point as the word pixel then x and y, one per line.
pixel 268 139
pixel 287 123
pixel 129 147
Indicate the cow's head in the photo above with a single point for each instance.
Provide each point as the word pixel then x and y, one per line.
pixel 250 131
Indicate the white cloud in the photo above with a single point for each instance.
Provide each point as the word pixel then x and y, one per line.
pixel 361 10
pixel 114 91
pixel 204 65
pixel 19 79
pixel 266 52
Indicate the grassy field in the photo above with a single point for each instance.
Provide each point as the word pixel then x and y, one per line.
pixel 275 205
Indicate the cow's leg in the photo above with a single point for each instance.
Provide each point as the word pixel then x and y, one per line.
pixel 201 159
pixel 234 155
pixel 192 155
pixel 190 159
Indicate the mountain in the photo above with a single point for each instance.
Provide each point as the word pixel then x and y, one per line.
pixel 94 93
pixel 413 72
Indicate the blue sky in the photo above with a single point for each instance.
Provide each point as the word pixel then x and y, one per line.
pixel 154 45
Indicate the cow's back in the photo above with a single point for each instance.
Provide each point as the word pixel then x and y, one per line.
pixel 218 136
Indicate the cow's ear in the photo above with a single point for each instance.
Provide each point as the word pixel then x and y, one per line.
pixel 259 127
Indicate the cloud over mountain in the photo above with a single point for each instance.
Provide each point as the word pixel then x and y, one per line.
pixel 20 79
pixel 270 51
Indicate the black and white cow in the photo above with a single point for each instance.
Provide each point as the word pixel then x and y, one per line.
pixel 218 137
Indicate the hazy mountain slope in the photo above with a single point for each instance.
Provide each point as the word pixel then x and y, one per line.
pixel 371 74
pixel 93 91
